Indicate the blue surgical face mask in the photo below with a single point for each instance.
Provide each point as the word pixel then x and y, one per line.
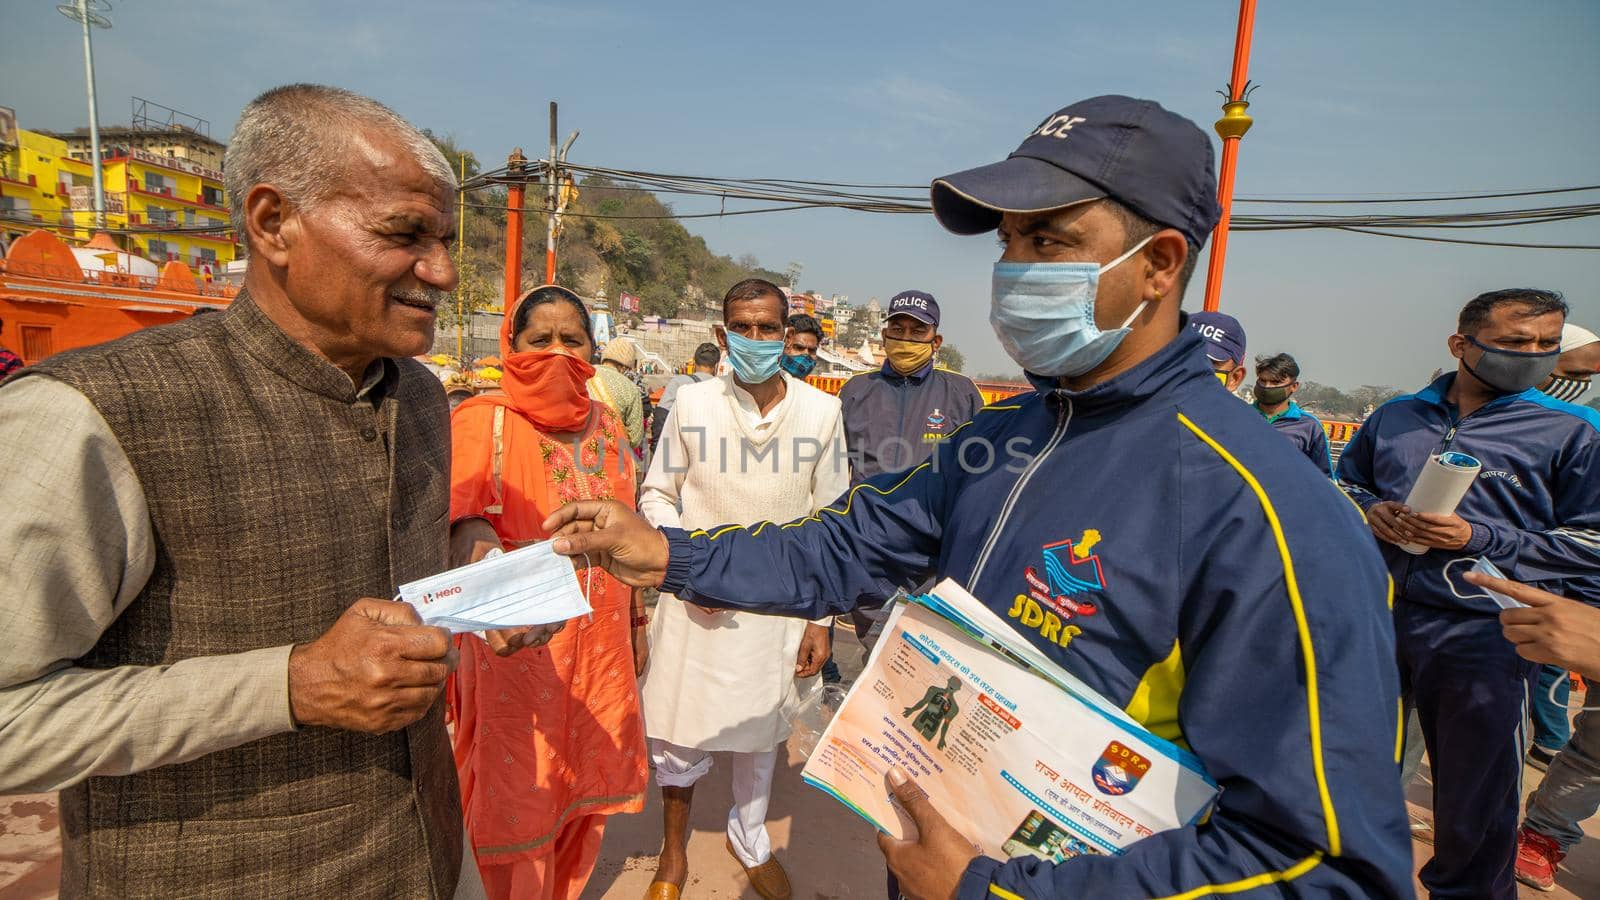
pixel 798 364
pixel 753 361
pixel 1043 314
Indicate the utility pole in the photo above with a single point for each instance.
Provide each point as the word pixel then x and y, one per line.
pixel 554 203
pixel 461 237
pixel 79 11
pixel 552 175
pixel 515 164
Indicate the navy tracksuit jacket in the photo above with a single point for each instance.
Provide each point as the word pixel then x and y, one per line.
pixel 893 421
pixel 1535 513
pixel 1305 432
pixel 1239 608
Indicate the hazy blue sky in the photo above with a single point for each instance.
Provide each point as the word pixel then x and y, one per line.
pixel 1356 97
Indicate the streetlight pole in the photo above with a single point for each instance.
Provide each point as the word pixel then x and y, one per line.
pixel 79 11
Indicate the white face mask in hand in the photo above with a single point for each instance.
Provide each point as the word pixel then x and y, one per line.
pixel 528 586
pixel 1482 566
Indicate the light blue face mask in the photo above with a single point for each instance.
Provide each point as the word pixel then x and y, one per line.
pixel 753 361
pixel 1043 314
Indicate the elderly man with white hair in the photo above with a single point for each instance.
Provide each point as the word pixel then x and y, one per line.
pixel 202 522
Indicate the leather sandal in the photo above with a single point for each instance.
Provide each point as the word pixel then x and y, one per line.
pixel 769 879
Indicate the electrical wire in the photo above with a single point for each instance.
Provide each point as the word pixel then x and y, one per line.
pixel 1431 198
pixel 1441 240
pixel 789 194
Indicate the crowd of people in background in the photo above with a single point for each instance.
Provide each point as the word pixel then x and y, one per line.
pixel 259 719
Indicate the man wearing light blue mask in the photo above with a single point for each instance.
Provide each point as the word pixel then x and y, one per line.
pixel 1533 511
pixel 756 443
pixel 1222 592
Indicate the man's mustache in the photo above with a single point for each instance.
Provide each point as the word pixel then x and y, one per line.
pixel 432 297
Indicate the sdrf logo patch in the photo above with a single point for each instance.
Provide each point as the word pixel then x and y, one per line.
pixel 1118 769
pixel 1071 585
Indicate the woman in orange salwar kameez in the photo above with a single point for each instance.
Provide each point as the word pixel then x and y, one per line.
pixel 548 740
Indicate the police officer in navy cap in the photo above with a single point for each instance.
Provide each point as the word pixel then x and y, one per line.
pixel 893 417
pixel 1224 345
pixel 1237 604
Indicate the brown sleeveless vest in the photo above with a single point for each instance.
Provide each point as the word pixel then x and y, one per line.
pixel 277 498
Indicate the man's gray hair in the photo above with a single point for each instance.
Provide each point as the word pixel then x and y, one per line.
pixel 296 138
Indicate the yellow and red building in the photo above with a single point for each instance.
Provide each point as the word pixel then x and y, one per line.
pixel 165 198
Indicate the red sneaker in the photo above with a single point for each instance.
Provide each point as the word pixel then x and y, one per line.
pixel 1537 858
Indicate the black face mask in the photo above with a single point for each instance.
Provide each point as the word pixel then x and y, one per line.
pixel 1271 396
pixel 1510 371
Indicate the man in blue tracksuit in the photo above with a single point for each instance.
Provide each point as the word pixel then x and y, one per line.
pixel 1238 606
pixel 1277 380
pixel 1533 511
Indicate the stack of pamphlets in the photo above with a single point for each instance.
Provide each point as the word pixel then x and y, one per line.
pixel 1019 755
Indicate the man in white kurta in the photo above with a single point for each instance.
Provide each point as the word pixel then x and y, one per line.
pixel 722 681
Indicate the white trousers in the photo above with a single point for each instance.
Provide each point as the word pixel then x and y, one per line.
pixel 752 788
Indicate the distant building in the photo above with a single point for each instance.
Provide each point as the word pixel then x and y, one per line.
pixel 164 193
pixel 176 142
pixel 872 315
pixel 34 190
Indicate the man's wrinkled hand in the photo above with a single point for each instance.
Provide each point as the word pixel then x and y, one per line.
pixel 378 669
pixel 929 864
pixel 615 537
pixel 814 649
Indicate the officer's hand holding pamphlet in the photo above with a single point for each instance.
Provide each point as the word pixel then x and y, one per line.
pixel 1020 756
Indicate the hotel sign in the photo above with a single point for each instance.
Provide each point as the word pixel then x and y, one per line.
pixel 173 162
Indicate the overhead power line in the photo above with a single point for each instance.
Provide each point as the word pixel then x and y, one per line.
pixel 787 194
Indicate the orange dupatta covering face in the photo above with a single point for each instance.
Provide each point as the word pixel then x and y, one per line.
pixel 546 386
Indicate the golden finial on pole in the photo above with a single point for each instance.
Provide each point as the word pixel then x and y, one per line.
pixel 1235 121
pixel 1231 127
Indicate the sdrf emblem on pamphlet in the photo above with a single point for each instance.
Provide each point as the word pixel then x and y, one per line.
pixel 1071 573
pixel 1118 769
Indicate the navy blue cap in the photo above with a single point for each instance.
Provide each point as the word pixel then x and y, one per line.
pixel 919 305
pixel 1152 161
pixel 1223 334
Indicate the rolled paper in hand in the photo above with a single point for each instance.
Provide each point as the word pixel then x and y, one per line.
pixel 1443 482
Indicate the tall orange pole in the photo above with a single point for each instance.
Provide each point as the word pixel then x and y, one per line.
pixel 1231 127
pixel 514 164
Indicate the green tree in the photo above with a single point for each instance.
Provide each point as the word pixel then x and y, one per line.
pixel 474 291
pixel 951 358
pixel 1373 395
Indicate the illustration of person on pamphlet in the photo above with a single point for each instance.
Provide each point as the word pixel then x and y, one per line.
pixel 938 711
